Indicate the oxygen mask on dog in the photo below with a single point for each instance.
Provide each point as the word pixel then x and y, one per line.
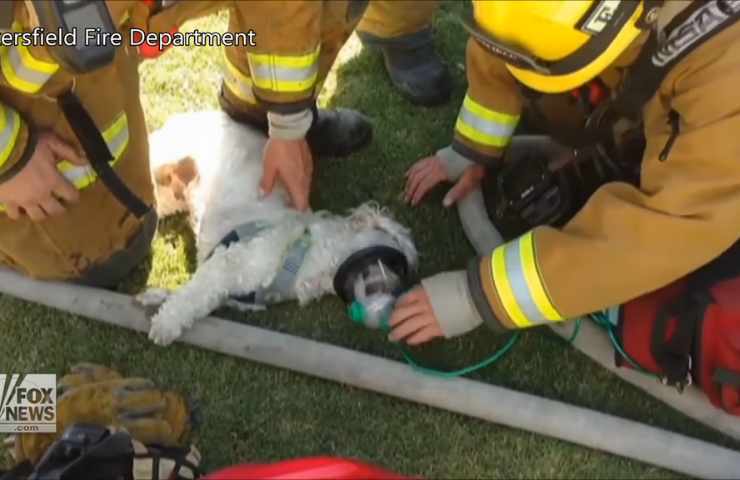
pixel 375 295
pixel 370 282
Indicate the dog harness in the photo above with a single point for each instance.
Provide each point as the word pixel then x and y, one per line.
pixel 283 285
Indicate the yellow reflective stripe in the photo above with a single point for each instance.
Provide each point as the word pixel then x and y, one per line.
pixel 295 62
pixel 35 64
pixel 504 290
pixel 22 71
pixel 491 115
pixel 10 126
pixel 238 83
pixel 485 126
pixel 519 284
pixel 284 73
pixel 534 281
pixel 116 137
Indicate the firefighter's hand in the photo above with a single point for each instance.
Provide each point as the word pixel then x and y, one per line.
pixel 39 190
pixel 413 320
pixel 290 162
pixel 428 172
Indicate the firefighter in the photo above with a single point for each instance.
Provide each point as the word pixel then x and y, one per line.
pixel 273 85
pixel 628 239
pixel 402 31
pixel 58 220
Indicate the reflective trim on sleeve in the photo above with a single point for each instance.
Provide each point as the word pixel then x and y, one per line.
pixel 10 125
pixel 519 285
pixel 285 74
pixel 22 71
pixel 116 136
pixel 238 83
pixel 484 126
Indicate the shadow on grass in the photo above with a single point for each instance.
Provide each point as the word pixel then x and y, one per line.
pixel 173 231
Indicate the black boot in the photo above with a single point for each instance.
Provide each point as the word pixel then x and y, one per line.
pixel 414 67
pixel 334 133
pixel 339 132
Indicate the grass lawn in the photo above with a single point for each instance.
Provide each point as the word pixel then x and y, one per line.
pixel 256 413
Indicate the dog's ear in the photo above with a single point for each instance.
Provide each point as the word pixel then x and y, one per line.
pixel 174 183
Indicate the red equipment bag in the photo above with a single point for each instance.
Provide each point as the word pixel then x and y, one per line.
pixel 689 331
pixel 325 468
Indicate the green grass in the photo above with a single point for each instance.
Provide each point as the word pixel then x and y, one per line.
pixel 255 413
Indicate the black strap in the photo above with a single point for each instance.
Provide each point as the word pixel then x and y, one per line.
pixel 19 472
pixel 674 354
pixel 98 154
pixel 156 453
pixel 688 31
pixel 724 267
pixel 111 272
pixel 596 45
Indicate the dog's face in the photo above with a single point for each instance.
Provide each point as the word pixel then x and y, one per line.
pixel 174 185
pixel 334 239
pixel 370 217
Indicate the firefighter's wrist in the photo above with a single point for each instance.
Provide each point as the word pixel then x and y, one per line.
pixel 490 161
pixel 455 164
pixel 452 303
pixel 479 298
pixel 289 126
pixel 13 169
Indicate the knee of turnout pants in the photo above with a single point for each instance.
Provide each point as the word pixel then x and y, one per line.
pixel 237 96
pixel 397 19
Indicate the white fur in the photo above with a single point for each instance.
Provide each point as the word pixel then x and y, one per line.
pixel 225 195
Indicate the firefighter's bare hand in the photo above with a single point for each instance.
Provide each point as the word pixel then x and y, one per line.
pixel 413 320
pixel 39 190
pixel 429 172
pixel 289 161
pixel 422 177
pixel 470 179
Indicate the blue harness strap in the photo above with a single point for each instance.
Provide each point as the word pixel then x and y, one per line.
pixel 283 284
pixel 243 233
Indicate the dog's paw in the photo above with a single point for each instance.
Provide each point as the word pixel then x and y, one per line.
pixel 163 333
pixel 243 306
pixel 152 298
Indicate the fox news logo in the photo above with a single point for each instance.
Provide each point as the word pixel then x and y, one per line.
pixel 28 403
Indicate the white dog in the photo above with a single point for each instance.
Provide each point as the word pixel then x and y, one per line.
pixel 210 166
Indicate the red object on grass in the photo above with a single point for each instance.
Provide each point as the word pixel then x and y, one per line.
pixel 313 468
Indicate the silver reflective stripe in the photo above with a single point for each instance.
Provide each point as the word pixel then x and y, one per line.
pixel 79 173
pixel 488 127
pixel 30 76
pixel 283 74
pixel 240 88
pixel 519 285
